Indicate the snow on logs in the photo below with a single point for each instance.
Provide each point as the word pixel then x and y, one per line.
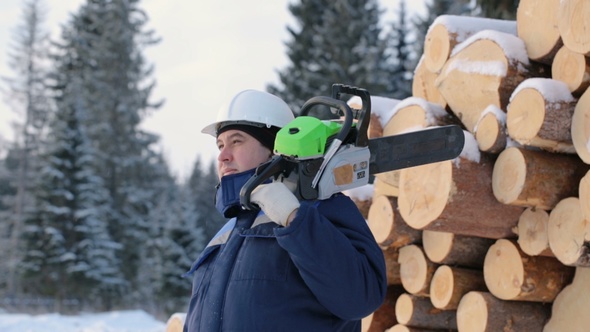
pixel 505 242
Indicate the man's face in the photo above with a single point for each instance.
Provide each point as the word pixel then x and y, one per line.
pixel 238 152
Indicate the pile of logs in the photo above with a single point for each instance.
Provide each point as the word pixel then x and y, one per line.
pixel 499 238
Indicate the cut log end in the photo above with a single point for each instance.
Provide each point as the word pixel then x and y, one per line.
pixel 567 231
pixel 532 232
pixel 509 175
pixel 503 270
pixel 437 47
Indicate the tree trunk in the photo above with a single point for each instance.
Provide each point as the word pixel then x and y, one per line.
pixel 532 232
pixel 482 73
pixel 581 127
pixel 423 85
pixel 538 179
pixel 536 22
pixel 447 31
pixel 415 270
pixel 417 311
pixel 573 25
pixel 569 233
pixel 452 249
pixel 384 317
pixel 570 309
pixel 387 225
pixel 455 197
pixel 573 69
pixel 449 284
pixel 540 115
pixel 483 312
pixel 510 274
pixel 490 130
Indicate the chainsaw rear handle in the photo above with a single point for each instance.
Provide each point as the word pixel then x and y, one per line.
pixel 363 115
pixel 271 168
pixel 334 103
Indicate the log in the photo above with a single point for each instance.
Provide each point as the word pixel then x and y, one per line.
pixel 415 270
pixel 569 233
pixel 449 284
pixel 510 274
pixel 381 110
pixel 540 115
pixel 573 69
pixel 413 114
pixel 387 225
pixel 573 25
pixel 447 31
pixel 538 179
pixel 483 312
pixel 570 309
pixel 536 22
pixel 384 317
pixel 490 130
pixel 392 266
pixel 484 70
pixel 423 85
pixel 453 249
pixel 416 311
pixel 384 188
pixel 532 232
pixel 456 197
pixel 581 127
pixel 404 328
pixel 176 322
pixel 584 195
pixel 362 197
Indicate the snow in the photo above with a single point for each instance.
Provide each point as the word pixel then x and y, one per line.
pixel 382 107
pixel 552 90
pixel 362 193
pixel 115 321
pixel 465 26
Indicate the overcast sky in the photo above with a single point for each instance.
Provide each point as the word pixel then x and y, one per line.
pixel 209 51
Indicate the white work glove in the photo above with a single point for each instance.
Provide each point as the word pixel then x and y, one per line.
pixel 276 200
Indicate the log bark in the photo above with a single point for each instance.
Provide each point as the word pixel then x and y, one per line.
pixel 423 85
pixel 417 311
pixel 510 274
pixel 532 232
pixel 453 249
pixel 384 317
pixel 490 130
pixel 573 25
pixel 537 26
pixel 449 284
pixel 387 225
pixel 415 270
pixel 569 233
pixel 447 31
pixel 540 115
pixel 456 197
pixel 538 179
pixel 581 127
pixel 483 312
pixel 570 309
pixel 483 73
pixel 392 266
pixel 573 69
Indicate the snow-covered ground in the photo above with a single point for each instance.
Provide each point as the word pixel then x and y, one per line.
pixel 116 321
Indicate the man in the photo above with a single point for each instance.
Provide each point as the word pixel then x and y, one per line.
pixel 291 266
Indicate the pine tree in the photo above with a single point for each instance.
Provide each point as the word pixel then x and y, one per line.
pixel 336 42
pixel 26 90
pixel 105 40
pixel 401 67
pixel 69 252
pixel 201 188
pixel 500 9
pixel 435 8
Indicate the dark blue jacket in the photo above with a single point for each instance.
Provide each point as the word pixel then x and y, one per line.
pixel 324 272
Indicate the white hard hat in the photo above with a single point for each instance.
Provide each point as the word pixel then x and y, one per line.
pixel 252 107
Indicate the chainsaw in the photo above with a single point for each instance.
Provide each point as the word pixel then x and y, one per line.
pixel 319 158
